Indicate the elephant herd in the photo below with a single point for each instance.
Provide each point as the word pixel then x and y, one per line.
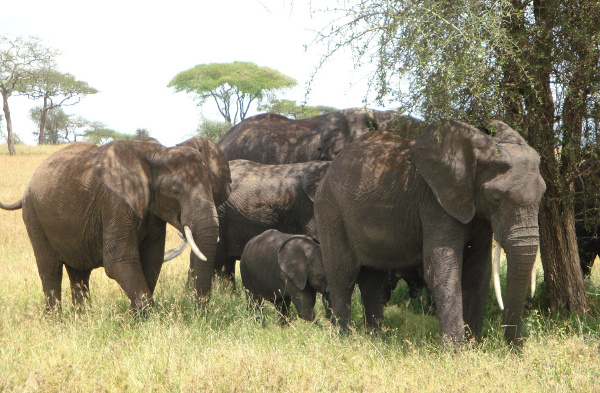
pixel 315 205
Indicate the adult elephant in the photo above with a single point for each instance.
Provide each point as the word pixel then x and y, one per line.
pixel 265 197
pixel 88 206
pixel 388 203
pixel 275 139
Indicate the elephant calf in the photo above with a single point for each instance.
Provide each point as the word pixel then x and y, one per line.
pixel 281 268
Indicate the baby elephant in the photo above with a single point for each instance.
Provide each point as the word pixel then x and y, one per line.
pixel 281 268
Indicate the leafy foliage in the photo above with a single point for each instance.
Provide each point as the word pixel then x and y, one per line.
pixel 141 133
pixel 99 134
pixel 59 126
pixel 212 129
pixel 292 110
pixel 233 86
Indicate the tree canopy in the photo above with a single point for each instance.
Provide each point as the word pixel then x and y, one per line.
pixel 534 64
pixel 292 110
pixel 56 89
pixel 232 86
pixel 20 60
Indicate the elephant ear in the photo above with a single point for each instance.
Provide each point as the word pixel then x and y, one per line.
pixel 217 164
pixel 124 169
pixel 312 177
pixel 445 155
pixel 293 257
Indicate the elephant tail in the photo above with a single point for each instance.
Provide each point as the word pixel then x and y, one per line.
pixel 12 206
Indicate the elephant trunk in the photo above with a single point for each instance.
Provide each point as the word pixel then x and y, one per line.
pixel 202 231
pixel 521 245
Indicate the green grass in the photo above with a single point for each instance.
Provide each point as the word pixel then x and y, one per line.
pixel 232 347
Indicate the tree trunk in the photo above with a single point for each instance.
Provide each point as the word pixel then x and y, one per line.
pixel 10 138
pixel 558 247
pixel 43 121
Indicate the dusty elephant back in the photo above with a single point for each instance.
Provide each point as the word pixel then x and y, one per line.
pixel 272 139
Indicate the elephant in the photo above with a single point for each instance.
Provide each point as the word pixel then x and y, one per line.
pixel 88 206
pixel 284 268
pixel 434 203
pixel 275 139
pixel 587 223
pixel 265 197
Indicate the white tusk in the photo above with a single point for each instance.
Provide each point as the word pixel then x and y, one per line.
pixel 190 239
pixel 496 274
pixel 533 280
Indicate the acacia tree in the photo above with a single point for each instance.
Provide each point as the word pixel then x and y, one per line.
pixel 20 59
pixel 56 89
pixel 532 63
pixel 232 86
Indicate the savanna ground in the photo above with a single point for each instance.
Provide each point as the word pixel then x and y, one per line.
pixel 231 347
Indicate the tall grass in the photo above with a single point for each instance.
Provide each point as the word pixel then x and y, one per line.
pixel 232 347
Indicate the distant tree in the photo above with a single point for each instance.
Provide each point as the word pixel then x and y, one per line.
pixel 233 86
pixel 75 127
pixel 59 127
pixel 20 59
pixel 55 122
pixel 56 89
pixel 141 133
pixel 292 110
pixel 99 134
pixel 212 129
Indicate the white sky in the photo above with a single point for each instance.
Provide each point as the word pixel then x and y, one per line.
pixel 129 50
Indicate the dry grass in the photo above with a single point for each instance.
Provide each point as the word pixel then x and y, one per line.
pixel 232 348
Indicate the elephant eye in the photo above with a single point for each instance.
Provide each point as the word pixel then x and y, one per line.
pixel 175 191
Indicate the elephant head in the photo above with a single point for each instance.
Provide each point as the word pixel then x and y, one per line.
pixel 348 125
pixel 217 164
pixel 299 257
pixel 341 128
pixel 493 175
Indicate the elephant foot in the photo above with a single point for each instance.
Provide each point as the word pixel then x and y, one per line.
pixel 141 307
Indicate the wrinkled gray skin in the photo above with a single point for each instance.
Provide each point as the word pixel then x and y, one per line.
pixel 387 203
pixel 283 268
pixel 88 206
pixel 275 139
pixel 265 197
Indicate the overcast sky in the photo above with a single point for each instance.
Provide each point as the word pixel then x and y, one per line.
pixel 130 50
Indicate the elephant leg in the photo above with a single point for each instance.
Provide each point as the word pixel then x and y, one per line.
pixel 415 283
pixel 282 305
pixel 80 285
pixel 305 303
pixel 50 267
pixel 443 243
pixel 341 272
pixel 477 270
pixel 371 283
pixel 152 250
pixel 229 271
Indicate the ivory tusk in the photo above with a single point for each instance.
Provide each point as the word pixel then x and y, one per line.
pixel 496 274
pixel 533 280
pixel 190 239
